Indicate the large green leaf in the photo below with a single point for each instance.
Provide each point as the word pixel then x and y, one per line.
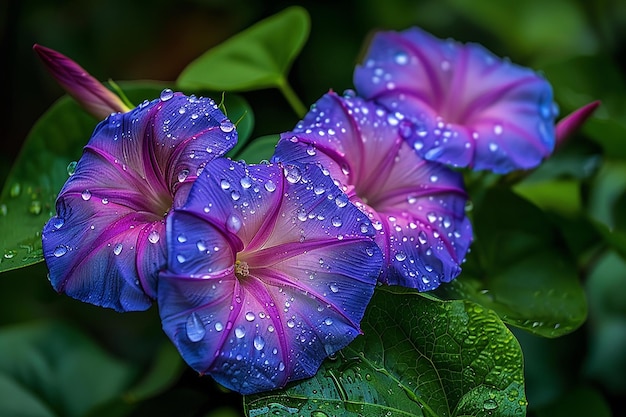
pixel 258 57
pixel 49 369
pixel 519 268
pixel 417 357
pixel 28 197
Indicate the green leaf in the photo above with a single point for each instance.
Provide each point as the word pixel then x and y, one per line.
pixel 239 112
pixel 417 357
pixel 518 268
pixel 28 198
pixel 53 370
pixel 581 401
pixel 258 57
pixel 260 149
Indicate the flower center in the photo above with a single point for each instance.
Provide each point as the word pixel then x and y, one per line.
pixel 241 269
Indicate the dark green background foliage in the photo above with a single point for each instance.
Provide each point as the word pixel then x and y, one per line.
pixel 544 283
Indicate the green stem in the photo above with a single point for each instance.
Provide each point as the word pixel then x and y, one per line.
pixel 292 98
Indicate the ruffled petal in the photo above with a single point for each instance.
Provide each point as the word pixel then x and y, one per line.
pixel 107 241
pixel 463 105
pixel 259 301
pixel 416 206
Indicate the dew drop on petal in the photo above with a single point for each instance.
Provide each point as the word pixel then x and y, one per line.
pixel 401 58
pixel 334 287
pixel 259 342
pixel 224 184
pixel 117 249
pixel 219 326
pixel 246 182
pixel 497 129
pixel 182 175
pixel 250 316
pixel 166 94
pixel 227 126
pixel 281 366
pixel 58 223
pixel 86 195
pixel 195 328
pixel 336 221
pixel 60 251
pixel 270 186
pixel 233 223
pixel 328 321
pixel 153 236
pixel 240 332
pixel 292 174
pixel 400 256
pixel 181 238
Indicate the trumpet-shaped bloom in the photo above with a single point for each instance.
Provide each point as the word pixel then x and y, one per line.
pixel 86 90
pixel 107 241
pixel 416 206
pixel 461 104
pixel 269 271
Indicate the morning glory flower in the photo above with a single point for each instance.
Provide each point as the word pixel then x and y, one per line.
pixel 462 105
pixel 94 97
pixel 416 206
pixel 269 271
pixel 107 241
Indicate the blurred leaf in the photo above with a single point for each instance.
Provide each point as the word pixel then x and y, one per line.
pixel 581 401
pixel 56 366
pixel 529 27
pixel 417 357
pixel 517 268
pixel 15 400
pixel 258 57
pixel 28 198
pixel 562 196
pixel 259 149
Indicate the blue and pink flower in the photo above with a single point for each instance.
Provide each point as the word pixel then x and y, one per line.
pixel 107 241
pixel 461 105
pixel 270 270
pixel 416 206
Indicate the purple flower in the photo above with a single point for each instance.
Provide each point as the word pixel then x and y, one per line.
pixel 107 241
pixel 461 104
pixel 86 90
pixel 269 271
pixel 416 206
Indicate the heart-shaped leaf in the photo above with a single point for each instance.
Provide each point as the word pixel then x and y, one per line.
pixel 417 357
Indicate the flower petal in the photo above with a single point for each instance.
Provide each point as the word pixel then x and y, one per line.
pixel 417 207
pixel 466 106
pixel 259 301
pixel 107 241
pixel 86 90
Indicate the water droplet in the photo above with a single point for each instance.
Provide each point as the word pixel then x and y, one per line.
pixel 281 366
pixel 227 126
pixel 58 222
pixel 336 221
pixel 250 316
pixel 334 287
pixel 292 174
pixel 195 328
pixel 225 184
pixel 270 186
pixel 180 258
pixel 341 200
pixel 497 129
pixel 291 324
pixel 117 249
pixel 400 256
pixel 15 190
pixel 35 207
pixel 105 201
pixel 240 332
pixel 153 236
pixel 86 195
pixel 432 217
pixel 60 251
pixel 310 150
pixel 4 210
pixel 259 342
pixel 219 326
pixel 493 147
pixel 490 404
pixel 182 175
pixel 246 182
pixel 328 321
pixel 181 238
pixel 166 94
pixel 8 254
pixel 401 58
pixel 235 195
pixel 71 168
pixel 233 223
